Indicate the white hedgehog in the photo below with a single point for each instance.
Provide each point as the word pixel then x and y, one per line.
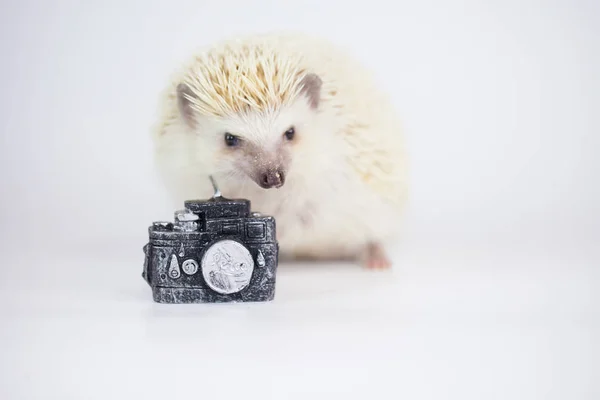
pixel 297 126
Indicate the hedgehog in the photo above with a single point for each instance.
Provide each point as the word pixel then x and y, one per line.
pixel 299 127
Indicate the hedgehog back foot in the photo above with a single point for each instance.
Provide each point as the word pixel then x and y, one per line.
pixel 375 257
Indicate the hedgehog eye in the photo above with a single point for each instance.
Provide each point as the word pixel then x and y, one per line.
pixel 289 134
pixel 231 140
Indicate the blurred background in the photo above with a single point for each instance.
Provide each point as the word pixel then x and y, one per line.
pixel 500 104
pixel 499 101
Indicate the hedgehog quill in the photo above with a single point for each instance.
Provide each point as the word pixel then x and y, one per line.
pixel 298 126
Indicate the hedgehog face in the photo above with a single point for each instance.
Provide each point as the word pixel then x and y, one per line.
pixel 259 143
pixel 262 145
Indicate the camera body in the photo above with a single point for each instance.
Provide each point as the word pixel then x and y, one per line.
pixel 215 251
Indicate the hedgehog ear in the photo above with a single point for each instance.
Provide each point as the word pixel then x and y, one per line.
pixel 311 88
pixel 184 94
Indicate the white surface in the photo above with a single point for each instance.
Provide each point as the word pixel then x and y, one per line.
pixel 451 322
pixel 494 293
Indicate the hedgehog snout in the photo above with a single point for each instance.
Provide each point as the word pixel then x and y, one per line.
pixel 271 178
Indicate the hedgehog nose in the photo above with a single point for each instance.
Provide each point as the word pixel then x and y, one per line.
pixel 272 178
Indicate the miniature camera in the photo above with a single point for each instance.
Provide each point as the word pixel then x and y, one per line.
pixel 215 251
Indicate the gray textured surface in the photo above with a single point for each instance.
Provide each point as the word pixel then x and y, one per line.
pixel 180 256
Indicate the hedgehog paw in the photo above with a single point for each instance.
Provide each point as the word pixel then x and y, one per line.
pixel 376 257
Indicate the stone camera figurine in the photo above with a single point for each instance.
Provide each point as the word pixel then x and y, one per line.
pixel 215 251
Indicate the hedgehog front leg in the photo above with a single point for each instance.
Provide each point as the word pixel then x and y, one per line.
pixel 375 257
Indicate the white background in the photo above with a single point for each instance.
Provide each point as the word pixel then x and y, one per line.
pixel 493 294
